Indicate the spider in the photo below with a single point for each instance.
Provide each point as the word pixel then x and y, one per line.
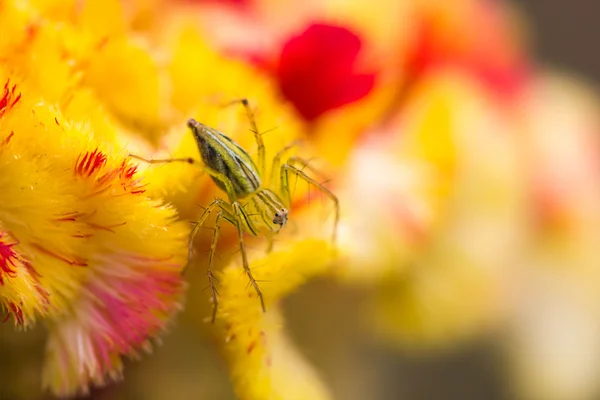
pixel 252 206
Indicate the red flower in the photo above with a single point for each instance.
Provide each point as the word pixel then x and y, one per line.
pixel 316 70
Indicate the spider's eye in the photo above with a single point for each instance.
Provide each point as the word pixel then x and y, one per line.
pixel 283 210
pixel 274 221
pixel 277 214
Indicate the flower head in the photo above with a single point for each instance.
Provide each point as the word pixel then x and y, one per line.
pixel 76 224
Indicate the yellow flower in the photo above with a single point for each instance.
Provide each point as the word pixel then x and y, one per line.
pixel 81 244
pixel 39 207
pixel 263 362
pixel 80 225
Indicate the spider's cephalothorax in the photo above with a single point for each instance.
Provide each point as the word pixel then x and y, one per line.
pixel 252 206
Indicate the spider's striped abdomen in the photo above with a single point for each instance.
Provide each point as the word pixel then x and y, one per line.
pixel 226 157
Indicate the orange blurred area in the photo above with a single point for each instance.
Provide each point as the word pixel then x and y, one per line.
pixel 465 164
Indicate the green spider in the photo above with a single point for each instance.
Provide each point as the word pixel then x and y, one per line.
pixel 265 209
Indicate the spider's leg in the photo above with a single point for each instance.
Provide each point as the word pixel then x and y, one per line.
pixel 225 214
pixel 242 218
pixel 277 162
pixel 211 277
pixel 305 164
pixel 188 160
pixel 215 174
pixel 199 224
pixel 257 135
pixel 269 242
pixel 287 169
pixel 302 164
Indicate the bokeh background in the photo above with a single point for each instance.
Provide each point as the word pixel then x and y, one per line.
pixel 562 32
pixel 332 336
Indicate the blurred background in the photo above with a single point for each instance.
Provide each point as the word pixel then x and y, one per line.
pixel 337 342
pixel 562 32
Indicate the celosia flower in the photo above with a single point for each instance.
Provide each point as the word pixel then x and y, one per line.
pixel 82 245
pixel 135 283
pixel 81 233
pixel 37 218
